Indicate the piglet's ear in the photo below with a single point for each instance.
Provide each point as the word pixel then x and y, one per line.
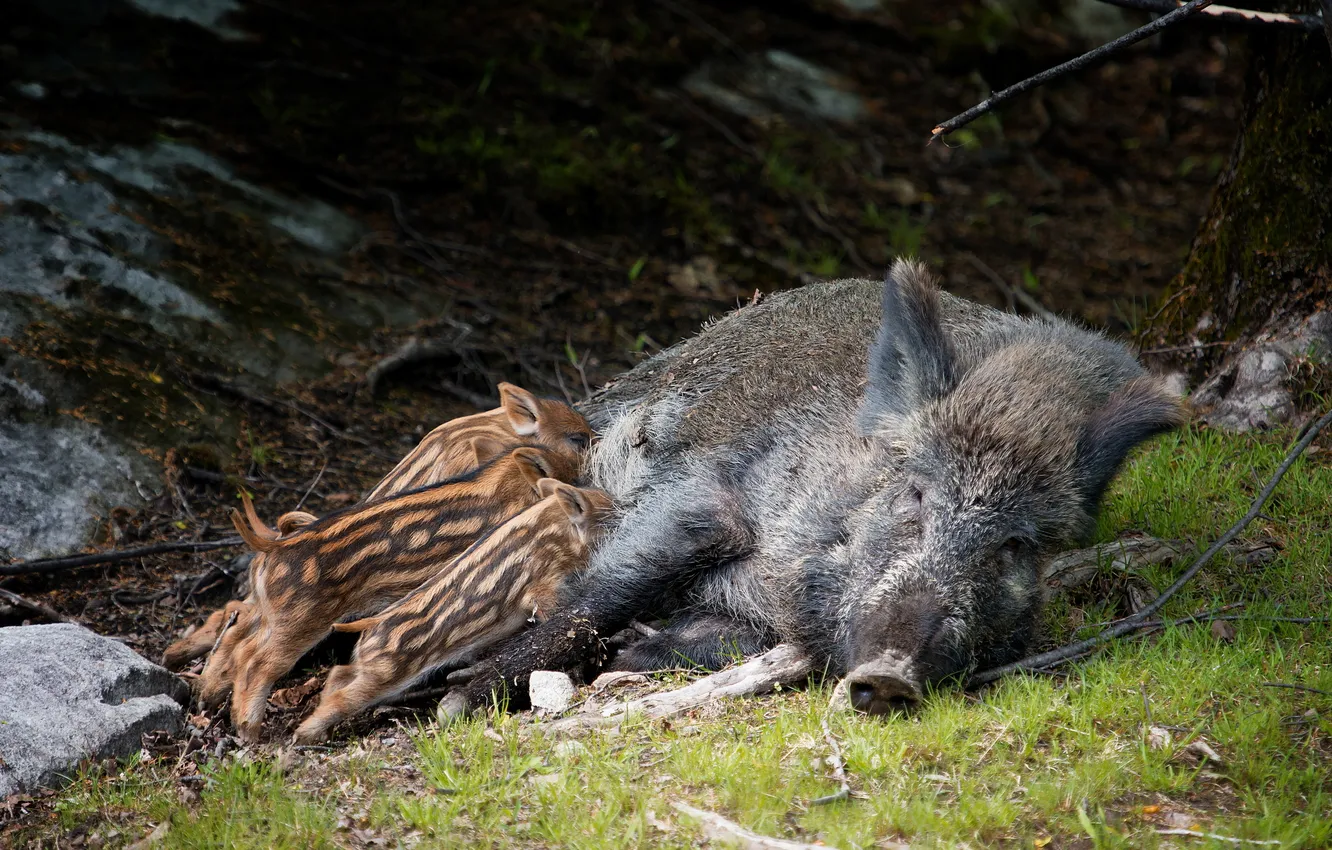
pixel 522 408
pixel 547 486
pixel 533 464
pixel 576 505
pixel 1134 413
pixel 912 361
pixel 484 448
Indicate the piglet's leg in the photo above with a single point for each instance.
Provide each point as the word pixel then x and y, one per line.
pixel 350 688
pixel 657 549
pixel 197 643
pixel 261 661
pixel 216 681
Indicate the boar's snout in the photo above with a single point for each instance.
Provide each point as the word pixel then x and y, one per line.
pixel 882 686
pixel 898 649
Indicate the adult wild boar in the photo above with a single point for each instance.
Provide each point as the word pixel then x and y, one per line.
pixel 875 472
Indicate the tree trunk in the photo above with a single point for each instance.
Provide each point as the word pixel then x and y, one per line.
pixel 1252 302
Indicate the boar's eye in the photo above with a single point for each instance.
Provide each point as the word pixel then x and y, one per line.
pixel 578 441
pixel 912 503
pixel 1014 545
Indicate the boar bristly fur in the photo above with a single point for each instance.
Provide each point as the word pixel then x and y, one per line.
pixel 360 560
pixel 504 579
pixel 876 472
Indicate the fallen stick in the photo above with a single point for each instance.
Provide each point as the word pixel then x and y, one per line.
pixel 988 105
pixel 1193 833
pixel 35 607
pixel 1297 688
pixel 51 565
pixel 784 664
pixel 1134 622
pixel 717 828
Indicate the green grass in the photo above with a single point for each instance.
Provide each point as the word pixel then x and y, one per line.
pixel 1033 762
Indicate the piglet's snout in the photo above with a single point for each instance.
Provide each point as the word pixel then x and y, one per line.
pixel 882 686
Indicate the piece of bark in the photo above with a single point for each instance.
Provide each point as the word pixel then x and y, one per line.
pixel 1131 554
pixel 784 664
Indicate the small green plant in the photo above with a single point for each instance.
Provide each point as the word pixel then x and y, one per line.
pixel 637 268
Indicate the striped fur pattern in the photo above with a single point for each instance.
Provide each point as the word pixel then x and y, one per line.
pixel 452 449
pixel 507 577
pixel 358 561
pixel 521 418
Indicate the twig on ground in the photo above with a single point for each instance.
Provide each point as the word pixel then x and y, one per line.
pixel 1079 63
pixel 1134 622
pixel 310 489
pixel 120 597
pixel 477 400
pixel 718 828
pixel 829 229
pixel 838 766
pixel 1174 349
pixel 711 31
pixel 1011 293
pixel 230 388
pixel 1193 833
pixel 1227 14
pixel 35 607
pixel 51 565
pixel 1296 687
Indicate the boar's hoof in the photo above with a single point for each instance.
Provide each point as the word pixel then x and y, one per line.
pixel 880 691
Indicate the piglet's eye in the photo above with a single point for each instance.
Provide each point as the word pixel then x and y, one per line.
pixel 578 441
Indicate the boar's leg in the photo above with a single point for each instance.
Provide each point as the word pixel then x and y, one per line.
pixel 672 535
pixel 707 641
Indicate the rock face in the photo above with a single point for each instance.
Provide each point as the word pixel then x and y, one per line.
pixel 68 695
pixel 1258 386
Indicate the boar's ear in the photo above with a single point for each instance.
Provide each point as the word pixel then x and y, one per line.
pixel 485 448
pixel 532 463
pixel 911 361
pixel 1136 412
pixel 522 408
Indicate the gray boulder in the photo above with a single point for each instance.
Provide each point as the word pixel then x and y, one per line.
pixel 67 695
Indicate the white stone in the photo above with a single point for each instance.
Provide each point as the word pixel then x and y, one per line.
pixel 551 691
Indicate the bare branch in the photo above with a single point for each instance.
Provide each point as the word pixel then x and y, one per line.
pixel 1325 6
pixel 1135 622
pixel 1227 14
pixel 51 565
pixel 1077 64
